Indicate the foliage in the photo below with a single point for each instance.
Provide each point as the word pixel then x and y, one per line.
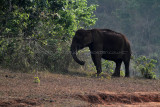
pixel 37 33
pixel 122 73
pixel 146 67
pixel 36 80
pixel 108 65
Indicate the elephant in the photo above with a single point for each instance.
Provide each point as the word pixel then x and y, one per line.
pixel 103 43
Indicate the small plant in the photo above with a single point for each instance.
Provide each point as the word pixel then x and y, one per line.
pixel 108 65
pixel 108 77
pixel 122 73
pixel 146 67
pixel 36 80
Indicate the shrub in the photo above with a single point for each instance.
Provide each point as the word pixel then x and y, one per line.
pixel 36 80
pixel 109 65
pixel 37 34
pixel 146 67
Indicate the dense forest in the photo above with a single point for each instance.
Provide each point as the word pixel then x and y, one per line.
pixel 36 34
pixel 139 20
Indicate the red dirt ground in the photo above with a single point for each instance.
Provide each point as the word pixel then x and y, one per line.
pixel 125 98
pixel 57 90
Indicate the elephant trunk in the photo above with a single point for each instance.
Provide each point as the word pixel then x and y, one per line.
pixel 73 53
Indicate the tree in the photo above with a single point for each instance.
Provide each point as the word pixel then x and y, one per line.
pixel 36 33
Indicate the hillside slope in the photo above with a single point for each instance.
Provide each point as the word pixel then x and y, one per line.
pixel 19 89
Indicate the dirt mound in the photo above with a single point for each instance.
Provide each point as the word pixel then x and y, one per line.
pixel 124 98
pixel 19 103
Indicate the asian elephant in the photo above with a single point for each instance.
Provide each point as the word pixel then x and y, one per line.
pixel 103 43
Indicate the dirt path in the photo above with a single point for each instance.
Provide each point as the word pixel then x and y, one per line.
pixel 19 89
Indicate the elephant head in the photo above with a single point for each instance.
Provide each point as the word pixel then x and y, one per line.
pixel 81 39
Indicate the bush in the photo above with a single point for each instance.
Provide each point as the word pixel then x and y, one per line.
pixel 146 67
pixel 108 65
pixel 36 34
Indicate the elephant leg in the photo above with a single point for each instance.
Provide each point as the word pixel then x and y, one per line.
pixel 93 59
pixel 126 63
pixel 97 62
pixel 117 69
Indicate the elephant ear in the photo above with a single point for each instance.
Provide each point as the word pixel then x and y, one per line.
pixel 81 32
pixel 95 35
pixel 88 39
pixel 85 36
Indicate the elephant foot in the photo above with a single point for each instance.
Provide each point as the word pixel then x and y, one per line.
pixel 115 75
pixel 98 73
pixel 126 75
